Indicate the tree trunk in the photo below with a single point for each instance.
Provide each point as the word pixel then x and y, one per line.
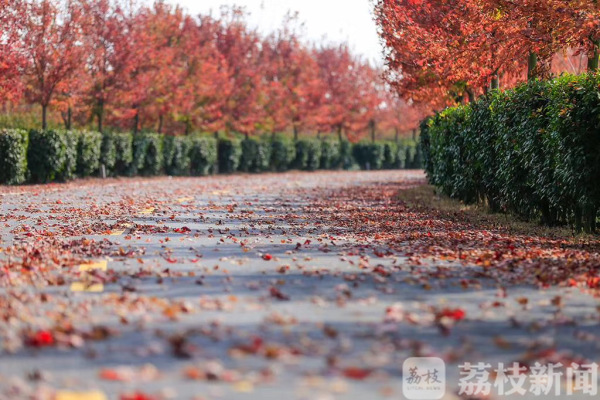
pixel 397 139
pixel 414 132
pixel 372 127
pixel 594 59
pixel 100 114
pixel 160 123
pixel 216 134
pixel 578 220
pixel 295 133
pixel 340 133
pixel 69 118
pixel 495 85
pixel 532 64
pixel 136 122
pixel 471 95
pixel 44 116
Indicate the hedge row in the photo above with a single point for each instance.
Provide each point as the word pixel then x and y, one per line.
pixel 533 151
pixel 53 155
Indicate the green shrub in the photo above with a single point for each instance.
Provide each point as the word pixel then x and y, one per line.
pixel 283 153
pixel 572 149
pixel 413 154
pixel 418 158
pixel 409 155
pixel 52 155
pixel 390 155
pixel 308 154
pixel 369 155
pixel 108 152
pixel 176 155
pixel 533 151
pixel 71 154
pixel 123 143
pixel 256 155
pixel 401 155
pixel 229 154
pixel 203 155
pixel 347 161
pixel 147 154
pixel 89 149
pixel 13 156
pixel 330 154
pixel 425 143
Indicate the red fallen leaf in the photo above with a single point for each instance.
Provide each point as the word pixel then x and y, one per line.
pixel 267 257
pixel 111 375
pixel 593 283
pixel 276 293
pixel 257 344
pixel 41 339
pixel 136 396
pixel 253 348
pixel 381 271
pixel 356 373
pixel 572 282
pixel 455 314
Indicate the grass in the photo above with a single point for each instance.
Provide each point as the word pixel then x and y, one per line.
pixel 426 198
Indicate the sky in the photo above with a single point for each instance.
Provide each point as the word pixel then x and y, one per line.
pixel 336 21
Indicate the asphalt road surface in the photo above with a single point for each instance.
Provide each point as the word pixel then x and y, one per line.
pixel 296 285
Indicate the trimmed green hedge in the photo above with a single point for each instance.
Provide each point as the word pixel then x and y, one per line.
pixel 52 155
pixel 346 155
pixel 533 151
pixel 229 154
pixel 89 151
pixel 390 155
pixel 176 155
pixel 203 155
pixel 369 155
pixel 308 154
pixel 124 157
pixel 56 155
pixel 13 156
pixel 256 155
pixel 330 154
pixel 283 153
pixel 148 157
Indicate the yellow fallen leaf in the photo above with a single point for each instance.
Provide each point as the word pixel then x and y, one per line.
pixel 83 287
pixel 96 265
pixel 243 387
pixel 148 211
pixel 117 232
pixel 94 395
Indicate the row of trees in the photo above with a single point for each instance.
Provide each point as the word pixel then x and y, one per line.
pixel 109 62
pixel 445 51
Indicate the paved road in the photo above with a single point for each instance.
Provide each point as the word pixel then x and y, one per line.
pixel 259 286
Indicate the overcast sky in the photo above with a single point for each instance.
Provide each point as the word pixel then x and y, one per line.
pixel 335 20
